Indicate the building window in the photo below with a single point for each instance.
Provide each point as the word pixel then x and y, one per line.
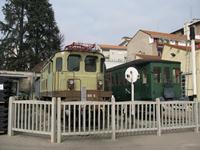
pixel 58 64
pixel 73 62
pixel 90 63
pixel 182 43
pixel 160 50
pixel 172 42
pixel 151 40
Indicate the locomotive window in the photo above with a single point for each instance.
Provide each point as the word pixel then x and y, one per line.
pixel 49 68
pixel 73 63
pixel 176 75
pixel 58 64
pixel 102 65
pixel 90 63
pixel 166 75
pixel 157 74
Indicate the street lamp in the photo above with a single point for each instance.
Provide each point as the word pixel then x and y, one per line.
pixel 194 80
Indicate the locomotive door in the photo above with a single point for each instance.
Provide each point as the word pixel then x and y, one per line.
pixel 58 74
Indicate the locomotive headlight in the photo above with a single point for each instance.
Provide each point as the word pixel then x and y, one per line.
pixel 70 84
pixel 99 84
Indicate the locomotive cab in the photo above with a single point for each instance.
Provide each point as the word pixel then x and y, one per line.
pixel 74 74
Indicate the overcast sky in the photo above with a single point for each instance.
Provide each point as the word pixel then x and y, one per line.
pixel 107 21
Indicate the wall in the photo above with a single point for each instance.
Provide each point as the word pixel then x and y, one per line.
pixel 140 44
pixel 118 55
pixel 114 57
pixel 186 66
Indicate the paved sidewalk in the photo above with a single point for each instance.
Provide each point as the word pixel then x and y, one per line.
pixel 172 141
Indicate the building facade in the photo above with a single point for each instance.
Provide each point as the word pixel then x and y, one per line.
pixel 151 43
pixel 183 55
pixel 114 54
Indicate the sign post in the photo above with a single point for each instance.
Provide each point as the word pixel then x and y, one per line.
pixel 131 75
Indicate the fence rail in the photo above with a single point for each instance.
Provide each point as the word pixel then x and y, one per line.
pixel 58 118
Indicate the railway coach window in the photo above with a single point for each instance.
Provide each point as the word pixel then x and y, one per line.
pixel 90 63
pixel 176 75
pixel 166 75
pixel 144 77
pixel 157 74
pixel 73 62
pixel 58 64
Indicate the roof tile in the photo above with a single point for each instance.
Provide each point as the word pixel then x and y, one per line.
pixel 165 35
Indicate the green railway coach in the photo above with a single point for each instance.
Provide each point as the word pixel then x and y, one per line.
pixel 157 78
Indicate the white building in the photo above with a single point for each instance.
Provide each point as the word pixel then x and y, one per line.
pixel 114 54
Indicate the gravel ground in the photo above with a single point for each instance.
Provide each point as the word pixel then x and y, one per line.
pixel 169 141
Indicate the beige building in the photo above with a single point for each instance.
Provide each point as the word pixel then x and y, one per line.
pixel 151 43
pixel 183 55
pixel 114 54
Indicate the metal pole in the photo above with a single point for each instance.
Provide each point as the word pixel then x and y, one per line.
pixel 194 68
pixel 132 91
pixel 53 120
pixel 113 118
pixel 132 98
pixel 158 116
pixel 10 116
pixel 196 116
pixel 59 132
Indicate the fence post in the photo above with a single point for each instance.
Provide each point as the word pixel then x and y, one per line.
pixel 158 117
pixel 58 120
pixel 10 116
pixel 196 116
pixel 113 118
pixel 53 120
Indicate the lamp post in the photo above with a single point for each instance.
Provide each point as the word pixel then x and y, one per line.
pixel 194 78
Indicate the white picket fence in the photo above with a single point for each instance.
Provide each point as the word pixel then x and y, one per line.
pixel 32 116
pixel 86 118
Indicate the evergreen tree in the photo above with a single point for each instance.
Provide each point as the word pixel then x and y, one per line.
pixel 30 34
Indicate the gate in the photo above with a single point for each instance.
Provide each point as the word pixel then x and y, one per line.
pixel 32 116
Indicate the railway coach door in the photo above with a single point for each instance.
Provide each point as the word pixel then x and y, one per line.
pixel 156 87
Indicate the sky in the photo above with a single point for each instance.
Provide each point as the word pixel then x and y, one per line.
pixel 107 21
